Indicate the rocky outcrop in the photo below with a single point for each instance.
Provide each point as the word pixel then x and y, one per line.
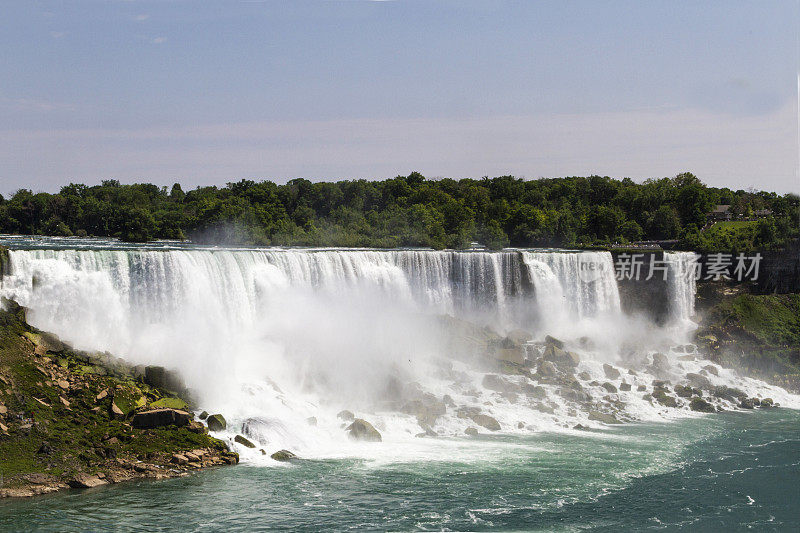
pixel 156 418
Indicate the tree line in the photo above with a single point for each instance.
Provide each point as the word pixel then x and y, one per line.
pixel 409 211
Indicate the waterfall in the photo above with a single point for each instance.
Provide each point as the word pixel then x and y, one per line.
pixel 273 336
pixel 681 285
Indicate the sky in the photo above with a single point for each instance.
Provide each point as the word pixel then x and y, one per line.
pixel 206 93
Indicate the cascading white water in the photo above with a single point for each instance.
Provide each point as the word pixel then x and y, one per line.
pixel 273 336
pixel 681 284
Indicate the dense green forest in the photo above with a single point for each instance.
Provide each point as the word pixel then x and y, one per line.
pixel 411 211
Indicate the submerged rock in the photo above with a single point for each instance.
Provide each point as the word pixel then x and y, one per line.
pixel 360 429
pixel 283 455
pixel 216 422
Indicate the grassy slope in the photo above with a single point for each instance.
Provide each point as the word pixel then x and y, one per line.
pixel 758 332
pixel 76 436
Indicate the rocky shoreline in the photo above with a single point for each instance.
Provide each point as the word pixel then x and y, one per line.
pixel 71 419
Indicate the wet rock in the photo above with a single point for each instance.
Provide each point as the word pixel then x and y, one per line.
pixel 346 415
pixel 243 441
pixel 766 403
pixel 547 369
pixel 311 420
pixel 203 415
pixel 661 396
pixel 535 391
pixel 605 418
pixel 498 384
pixel 563 360
pixel 283 456
pixel 698 381
pixel 486 421
pixel 661 362
pixel 542 408
pixel 609 387
pixel 747 403
pixel 711 369
pixel 427 433
pixel 161 378
pixel 699 404
pixel 85 481
pixel 728 393
pixel 641 388
pixel 515 355
pixel 448 400
pixel 575 395
pixel 519 336
pixel 197 427
pixel 584 376
pixel 554 342
pixel 471 431
pixel 161 417
pixel 216 422
pixel 362 430
pixel 428 408
pixel 610 371
pixel 684 391
pixel 625 387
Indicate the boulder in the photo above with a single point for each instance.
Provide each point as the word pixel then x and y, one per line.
pixel 562 359
pixel 498 384
pixel 605 418
pixel 711 369
pixel 203 415
pixel 515 355
pixel 471 431
pixel 664 399
pixel 698 381
pixel 346 415
pixel 427 409
pixel 85 481
pixel 610 371
pixel 584 376
pixel 116 412
pixel 243 441
pixel 486 421
pixel 536 391
pixel 728 393
pixel 547 369
pixel 519 336
pixel 311 420
pixel 180 459
pixel 747 403
pixel 609 387
pixel 699 404
pixel 283 456
pixel 661 361
pixel 362 430
pixel 216 422
pixel 684 391
pixel 625 387
pixel 576 395
pixel 554 342
pixel 161 378
pixel 641 388
pixel 160 417
pixel 767 403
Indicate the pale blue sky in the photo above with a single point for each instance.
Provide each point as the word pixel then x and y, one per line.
pixel 210 92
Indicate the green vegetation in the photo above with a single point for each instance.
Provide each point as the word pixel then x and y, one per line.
pixel 408 211
pixel 760 333
pixel 58 421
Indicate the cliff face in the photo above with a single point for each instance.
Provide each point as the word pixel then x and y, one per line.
pixel 640 296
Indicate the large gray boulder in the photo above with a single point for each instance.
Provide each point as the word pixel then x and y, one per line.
pixel 216 422
pixel 486 421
